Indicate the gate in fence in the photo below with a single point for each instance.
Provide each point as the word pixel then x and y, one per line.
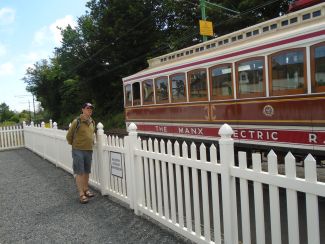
pixel 201 193
pixel 11 137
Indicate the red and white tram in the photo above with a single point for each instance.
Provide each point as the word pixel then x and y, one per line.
pixel 267 81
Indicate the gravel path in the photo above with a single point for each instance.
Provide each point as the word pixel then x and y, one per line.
pixel 39 204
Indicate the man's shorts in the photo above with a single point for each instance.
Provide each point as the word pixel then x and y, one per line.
pixel 81 161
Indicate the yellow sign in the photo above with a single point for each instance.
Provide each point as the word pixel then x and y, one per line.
pixel 206 28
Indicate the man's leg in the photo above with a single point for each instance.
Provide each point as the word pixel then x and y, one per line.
pixel 80 183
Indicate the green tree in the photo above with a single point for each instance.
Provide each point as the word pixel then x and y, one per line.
pixel 5 113
pixel 114 39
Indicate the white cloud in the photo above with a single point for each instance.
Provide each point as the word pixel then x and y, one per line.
pixel 6 68
pixel 3 50
pixel 61 23
pixel 40 36
pixel 51 33
pixel 7 16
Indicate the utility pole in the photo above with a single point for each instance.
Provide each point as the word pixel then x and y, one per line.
pixel 30 114
pixel 34 106
pixel 202 5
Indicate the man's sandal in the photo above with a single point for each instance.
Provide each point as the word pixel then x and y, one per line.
pixel 89 193
pixel 83 199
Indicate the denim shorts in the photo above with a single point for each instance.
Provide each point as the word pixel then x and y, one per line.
pixel 81 161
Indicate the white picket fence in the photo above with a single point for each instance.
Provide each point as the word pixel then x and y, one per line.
pixel 201 193
pixel 11 137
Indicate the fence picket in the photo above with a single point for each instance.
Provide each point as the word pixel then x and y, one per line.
pixel 164 178
pixel 140 179
pixel 274 200
pixel 292 201
pixel 152 179
pixel 196 197
pixel 158 179
pixel 179 191
pixel 215 197
pixel 258 201
pixel 188 204
pixel 171 184
pixel 205 195
pixel 312 202
pixel 244 196
pixel 146 176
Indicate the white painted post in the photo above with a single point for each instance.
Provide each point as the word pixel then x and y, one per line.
pixel 56 144
pixel 227 160
pixel 43 124
pixel 103 177
pixel 51 124
pixel 55 126
pixel 130 142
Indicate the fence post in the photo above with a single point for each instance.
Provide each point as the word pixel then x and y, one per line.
pixel 56 144
pixel 227 160
pixel 51 124
pixel 103 177
pixel 130 161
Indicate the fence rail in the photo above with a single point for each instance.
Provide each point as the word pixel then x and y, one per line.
pixel 200 192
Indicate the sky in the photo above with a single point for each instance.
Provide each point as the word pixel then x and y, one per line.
pixel 28 33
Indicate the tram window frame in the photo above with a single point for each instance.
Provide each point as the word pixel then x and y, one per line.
pixel 204 98
pixel 158 101
pixel 173 100
pixel 301 90
pixel 217 97
pixel 136 100
pixel 127 102
pixel 315 87
pixel 253 94
pixel 144 102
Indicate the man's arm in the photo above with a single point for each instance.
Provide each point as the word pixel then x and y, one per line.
pixel 71 131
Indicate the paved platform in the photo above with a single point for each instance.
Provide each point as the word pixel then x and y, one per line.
pixel 39 204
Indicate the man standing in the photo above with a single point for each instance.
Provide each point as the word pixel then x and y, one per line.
pixel 81 137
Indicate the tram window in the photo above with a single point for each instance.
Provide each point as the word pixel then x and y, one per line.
pixel 136 93
pixel 285 22
pixel 248 34
pixel 128 95
pixel 233 39
pixel 250 77
pixel 293 20
pixel 147 92
pixel 178 87
pixel 213 45
pixel 255 32
pixel 287 74
pixel 316 13
pixel 274 26
pixel 198 84
pixel 221 81
pixel 220 43
pixel 225 41
pixel 318 67
pixel 265 29
pixel 161 86
pixel 240 37
pixel 306 16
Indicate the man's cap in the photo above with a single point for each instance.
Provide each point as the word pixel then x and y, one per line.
pixel 87 105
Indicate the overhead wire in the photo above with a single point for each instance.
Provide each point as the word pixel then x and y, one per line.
pixel 157 50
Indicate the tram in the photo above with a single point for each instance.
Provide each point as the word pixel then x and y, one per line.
pixel 267 81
